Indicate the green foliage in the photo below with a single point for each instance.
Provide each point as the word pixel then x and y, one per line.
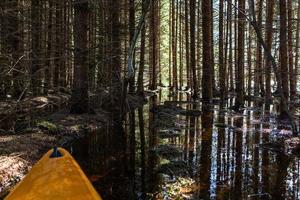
pixel 46 125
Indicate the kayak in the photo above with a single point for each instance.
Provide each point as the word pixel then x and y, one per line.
pixel 56 176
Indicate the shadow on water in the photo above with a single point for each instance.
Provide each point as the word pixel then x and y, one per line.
pixel 167 150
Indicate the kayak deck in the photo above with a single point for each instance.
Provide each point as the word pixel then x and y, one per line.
pixel 56 179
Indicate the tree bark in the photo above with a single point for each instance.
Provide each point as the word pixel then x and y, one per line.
pixel 140 89
pixel 80 98
pixel 35 42
pixel 131 37
pixel 193 47
pixel 207 50
pixel 174 44
pixel 297 45
pixel 268 39
pixel 153 42
pixel 291 51
pixel 240 56
pixel 258 86
pixel 283 51
pixel 222 69
pixel 187 44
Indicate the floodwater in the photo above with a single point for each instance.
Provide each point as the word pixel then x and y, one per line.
pixel 157 153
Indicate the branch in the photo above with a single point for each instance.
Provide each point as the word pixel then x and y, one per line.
pixel 270 57
pixel 141 24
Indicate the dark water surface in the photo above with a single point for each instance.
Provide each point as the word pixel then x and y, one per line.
pixel 160 154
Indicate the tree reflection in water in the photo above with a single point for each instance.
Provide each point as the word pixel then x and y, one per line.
pixel 217 155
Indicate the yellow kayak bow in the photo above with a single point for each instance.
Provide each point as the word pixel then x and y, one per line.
pixel 57 176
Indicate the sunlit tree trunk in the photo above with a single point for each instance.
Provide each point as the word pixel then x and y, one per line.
pixel 187 44
pixel 180 47
pixel 193 47
pixel 174 44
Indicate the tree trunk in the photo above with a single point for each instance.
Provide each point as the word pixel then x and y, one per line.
pixel 258 67
pixel 80 98
pixel 212 57
pixel 230 56
pixel 35 42
pixel 174 45
pixel 131 36
pixel 48 67
pixel 153 42
pixel 268 38
pixel 207 50
pixel 187 43
pixel 222 69
pixel 249 59
pixel 115 52
pixel 14 47
pixel 240 56
pixel 297 45
pixel 140 89
pixel 193 47
pixel 290 51
pixel 283 52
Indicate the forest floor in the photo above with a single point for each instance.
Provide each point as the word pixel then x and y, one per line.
pixel 29 128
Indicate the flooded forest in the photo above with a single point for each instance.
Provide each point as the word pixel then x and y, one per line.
pixel 155 99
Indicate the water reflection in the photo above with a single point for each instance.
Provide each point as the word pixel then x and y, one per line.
pixel 213 156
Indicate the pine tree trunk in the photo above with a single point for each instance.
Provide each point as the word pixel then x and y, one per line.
pixel 131 35
pixel 240 56
pixel 14 47
pixel 283 48
pixel 153 45
pixel 222 69
pixel 174 45
pixel 140 89
pixel 297 45
pixel 268 38
pixel 193 47
pixel 290 51
pixel 80 98
pixel 35 42
pixel 207 50
pixel 48 67
pixel 258 66
pixel 187 44
pixel 249 59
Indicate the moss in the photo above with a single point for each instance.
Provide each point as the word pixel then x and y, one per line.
pixel 46 125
